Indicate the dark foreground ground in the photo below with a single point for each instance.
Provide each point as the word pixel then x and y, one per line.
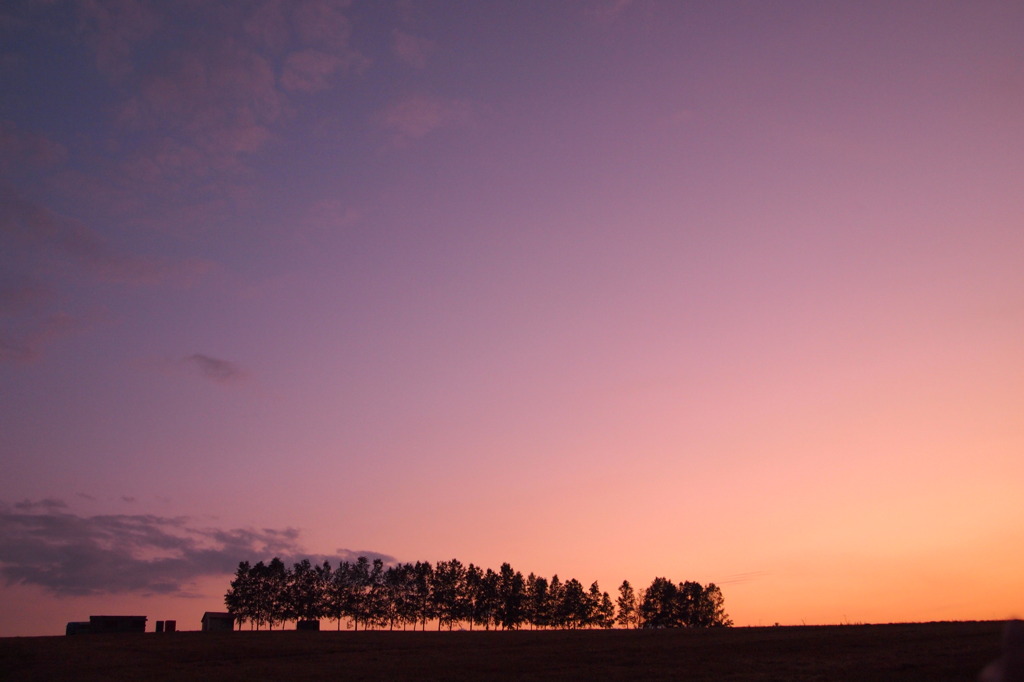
pixel 932 652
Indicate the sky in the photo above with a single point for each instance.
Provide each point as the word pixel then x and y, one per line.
pixel 720 291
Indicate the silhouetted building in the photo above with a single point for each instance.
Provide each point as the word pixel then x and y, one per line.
pixel 77 628
pixel 170 625
pixel 313 625
pixel 103 624
pixel 218 622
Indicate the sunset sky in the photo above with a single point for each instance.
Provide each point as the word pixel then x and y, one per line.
pixel 719 291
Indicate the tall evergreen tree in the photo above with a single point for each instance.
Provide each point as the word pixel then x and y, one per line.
pixel 606 612
pixel 376 612
pixel 340 593
pixel 572 608
pixel 627 606
pixel 359 582
pixel 535 598
pixel 306 592
pixel 474 594
pixel 239 598
pixel 592 607
pixel 422 587
pixel 489 600
pixel 511 603
pixel 276 577
pixel 553 615
pixel 449 595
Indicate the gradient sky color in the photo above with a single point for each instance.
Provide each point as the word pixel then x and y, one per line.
pixel 717 291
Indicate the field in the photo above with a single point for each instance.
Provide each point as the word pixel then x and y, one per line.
pixel 932 651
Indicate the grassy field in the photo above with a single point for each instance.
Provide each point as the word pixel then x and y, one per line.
pixel 932 652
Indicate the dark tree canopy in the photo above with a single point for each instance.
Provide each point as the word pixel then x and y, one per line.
pixel 368 594
pixel 688 604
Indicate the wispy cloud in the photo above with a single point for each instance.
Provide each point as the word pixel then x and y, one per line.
pixel 49 504
pixel 24 340
pixel 43 544
pixel 21 149
pixel 42 255
pixel 608 11
pixel 40 236
pixel 411 50
pixel 746 577
pixel 419 115
pixel 309 71
pixel 214 369
pixel 115 30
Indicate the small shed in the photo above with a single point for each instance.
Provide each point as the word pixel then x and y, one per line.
pixel 218 622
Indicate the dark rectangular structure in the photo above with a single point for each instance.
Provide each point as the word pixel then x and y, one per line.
pixel 104 624
pixel 77 628
pixel 218 622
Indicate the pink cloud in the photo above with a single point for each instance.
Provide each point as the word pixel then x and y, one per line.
pixel 19 294
pixel 42 254
pixel 211 106
pixel 115 28
pixel 411 50
pixel 20 149
pixel 420 115
pixel 47 240
pixel 309 71
pixel 268 26
pixel 201 90
pixel 609 10
pixel 27 341
pixel 322 23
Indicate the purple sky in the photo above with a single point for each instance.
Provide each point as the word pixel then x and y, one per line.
pixel 722 291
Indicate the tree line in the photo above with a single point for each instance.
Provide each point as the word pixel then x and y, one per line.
pixel 371 595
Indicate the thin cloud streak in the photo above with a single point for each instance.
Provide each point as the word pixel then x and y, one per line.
pixel 418 115
pixel 214 369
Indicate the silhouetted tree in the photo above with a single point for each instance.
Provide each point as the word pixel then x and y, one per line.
pixel 276 584
pixel 598 611
pixel 392 600
pixel 449 595
pixel 572 608
pixel 262 597
pixel 488 600
pixel 376 596
pixel 659 608
pixel 688 604
pixel 306 591
pixel 374 602
pixel 422 587
pixel 239 597
pixel 627 605
pixel 359 581
pixel 606 612
pixel 553 615
pixel 710 611
pixel 340 593
pixel 536 600
pixel 474 594
pixel 511 602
